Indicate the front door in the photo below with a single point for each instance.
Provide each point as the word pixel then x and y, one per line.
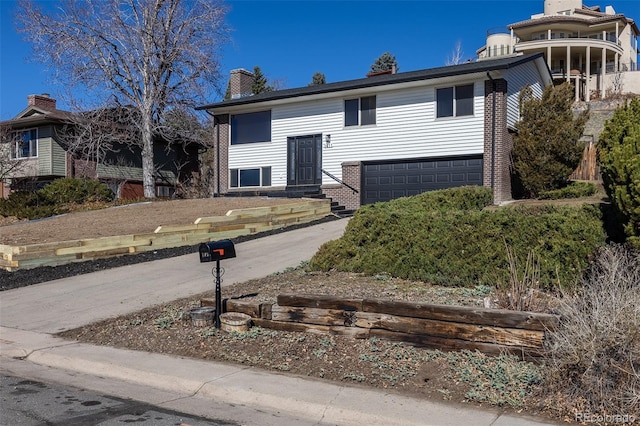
pixel 304 160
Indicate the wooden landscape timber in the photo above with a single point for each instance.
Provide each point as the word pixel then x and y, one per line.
pixel 492 331
pixel 234 224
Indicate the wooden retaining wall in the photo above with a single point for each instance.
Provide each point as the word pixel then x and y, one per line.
pixel 492 331
pixel 235 223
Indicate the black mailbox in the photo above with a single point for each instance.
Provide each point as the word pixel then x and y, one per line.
pixel 217 250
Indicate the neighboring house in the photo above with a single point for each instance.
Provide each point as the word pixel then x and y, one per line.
pixel 40 145
pixel 385 136
pixel 595 50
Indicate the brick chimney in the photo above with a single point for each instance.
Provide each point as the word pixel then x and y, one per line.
pixel 43 101
pixel 240 83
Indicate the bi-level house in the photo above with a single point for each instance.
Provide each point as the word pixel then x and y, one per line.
pixel 376 138
pixel 594 49
pixel 38 142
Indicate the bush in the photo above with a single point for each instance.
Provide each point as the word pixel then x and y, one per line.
pixel 573 190
pixel 594 355
pixel 28 205
pixel 619 161
pixel 414 238
pixel 76 191
pixel 546 148
pixel 55 198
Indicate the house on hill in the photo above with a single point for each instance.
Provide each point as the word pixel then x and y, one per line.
pixel 594 49
pixel 38 138
pixel 376 138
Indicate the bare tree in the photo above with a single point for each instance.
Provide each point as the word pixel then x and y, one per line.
pixel 95 137
pixel 456 56
pixel 147 54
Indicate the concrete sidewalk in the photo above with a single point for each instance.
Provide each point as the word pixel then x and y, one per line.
pixel 29 315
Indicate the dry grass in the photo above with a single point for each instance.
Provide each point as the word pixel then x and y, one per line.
pixel 594 356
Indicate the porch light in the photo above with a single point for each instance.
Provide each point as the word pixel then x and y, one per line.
pixel 327 141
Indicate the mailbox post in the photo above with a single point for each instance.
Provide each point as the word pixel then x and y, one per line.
pixel 217 250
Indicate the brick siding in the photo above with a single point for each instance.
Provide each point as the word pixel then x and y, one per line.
pixel 351 174
pixel 498 142
pixel 42 101
pixel 221 150
pixel 240 83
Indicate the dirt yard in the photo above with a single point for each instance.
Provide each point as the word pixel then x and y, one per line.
pixel 459 377
pixel 126 219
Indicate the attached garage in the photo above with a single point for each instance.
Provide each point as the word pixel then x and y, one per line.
pixel 387 180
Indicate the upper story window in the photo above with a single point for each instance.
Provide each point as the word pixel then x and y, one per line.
pixel 454 101
pixel 251 127
pixel 360 111
pixel 25 144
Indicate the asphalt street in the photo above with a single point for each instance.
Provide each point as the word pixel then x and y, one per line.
pixel 27 402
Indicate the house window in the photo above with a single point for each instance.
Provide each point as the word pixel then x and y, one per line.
pixel 454 101
pixel 259 176
pixel 360 111
pixel 165 191
pixel 251 127
pixel 25 145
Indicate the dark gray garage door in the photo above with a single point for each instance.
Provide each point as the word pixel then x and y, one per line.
pixel 384 181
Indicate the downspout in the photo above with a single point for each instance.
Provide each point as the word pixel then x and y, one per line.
pixel 493 129
pixel 216 124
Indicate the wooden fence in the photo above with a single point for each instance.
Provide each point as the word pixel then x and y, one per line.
pixel 588 168
pixel 235 223
pixel 492 331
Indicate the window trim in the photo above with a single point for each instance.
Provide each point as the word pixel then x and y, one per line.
pixel 455 99
pixel 33 144
pixel 360 114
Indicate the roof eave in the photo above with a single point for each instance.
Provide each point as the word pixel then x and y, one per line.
pixel 428 74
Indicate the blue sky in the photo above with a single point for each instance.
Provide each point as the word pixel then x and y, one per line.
pixel 291 40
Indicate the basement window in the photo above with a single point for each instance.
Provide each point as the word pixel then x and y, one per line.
pixel 259 176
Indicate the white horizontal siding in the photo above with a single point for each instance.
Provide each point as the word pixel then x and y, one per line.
pixel 517 79
pixel 406 127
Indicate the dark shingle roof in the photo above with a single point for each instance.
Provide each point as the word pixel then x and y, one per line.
pixel 381 80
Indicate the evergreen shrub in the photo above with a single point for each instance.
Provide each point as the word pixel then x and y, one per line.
pixel 76 191
pixel 55 198
pixel 28 205
pixel 446 237
pixel 573 190
pixel 619 161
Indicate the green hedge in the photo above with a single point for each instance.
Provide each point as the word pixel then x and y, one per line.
pixel 76 191
pixel 460 244
pixel 573 190
pixel 55 198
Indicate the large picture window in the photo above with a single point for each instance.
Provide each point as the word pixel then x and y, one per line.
pixel 454 101
pixel 25 144
pixel 251 127
pixel 259 176
pixel 360 111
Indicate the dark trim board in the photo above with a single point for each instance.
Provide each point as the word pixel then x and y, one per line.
pixel 389 179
